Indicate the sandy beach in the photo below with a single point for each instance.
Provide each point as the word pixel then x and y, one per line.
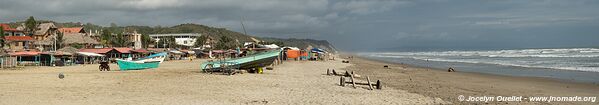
pixel 180 82
pixel 449 85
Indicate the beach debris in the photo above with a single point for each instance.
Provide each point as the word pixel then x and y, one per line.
pixel 344 61
pixel 371 86
pixel 450 70
pixel 386 66
pixel 60 75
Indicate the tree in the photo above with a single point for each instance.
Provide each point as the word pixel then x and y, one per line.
pixel 106 37
pixel 146 40
pixel 119 41
pixel 1 36
pixel 112 25
pixel 225 42
pixel 30 24
pixel 201 40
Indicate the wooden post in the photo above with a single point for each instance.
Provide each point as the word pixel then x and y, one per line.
pixel 347 74
pixel 334 73
pixel 352 80
pixel 328 72
pixel 379 85
pixel 370 85
pixel 342 82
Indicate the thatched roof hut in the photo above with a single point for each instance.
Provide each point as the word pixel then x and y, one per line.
pixel 78 38
pixel 69 49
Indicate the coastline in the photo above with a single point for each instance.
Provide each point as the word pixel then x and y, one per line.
pixel 448 86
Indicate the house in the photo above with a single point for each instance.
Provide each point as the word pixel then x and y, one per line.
pixel 72 30
pixel 70 39
pixel 134 38
pixel 109 52
pixel 71 36
pixel 8 31
pixel 26 58
pixel 122 52
pixel 18 43
pixel 44 31
pixel 185 39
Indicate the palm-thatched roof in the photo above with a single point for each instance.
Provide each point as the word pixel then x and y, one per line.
pixel 69 49
pixel 47 41
pixel 44 27
pixel 78 38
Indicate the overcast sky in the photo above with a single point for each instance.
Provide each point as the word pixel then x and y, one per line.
pixel 349 24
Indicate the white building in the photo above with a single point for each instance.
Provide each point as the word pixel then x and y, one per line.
pixel 185 39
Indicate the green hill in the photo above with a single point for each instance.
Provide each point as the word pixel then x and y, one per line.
pixel 213 32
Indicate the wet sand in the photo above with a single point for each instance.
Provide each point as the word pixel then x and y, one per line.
pixel 180 82
pixel 449 85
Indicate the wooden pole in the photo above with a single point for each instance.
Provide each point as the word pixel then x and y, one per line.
pixel 370 85
pixel 352 81
pixel 334 73
pixel 379 85
pixel 342 81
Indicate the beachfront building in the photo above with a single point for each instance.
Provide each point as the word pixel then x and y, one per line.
pixel 184 39
pixel 18 43
pixel 8 31
pixel 44 31
pixel 134 38
pixel 121 52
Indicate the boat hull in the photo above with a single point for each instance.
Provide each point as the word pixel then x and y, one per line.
pixel 258 60
pixel 136 65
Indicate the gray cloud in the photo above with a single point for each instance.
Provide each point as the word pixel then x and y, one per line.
pixel 349 24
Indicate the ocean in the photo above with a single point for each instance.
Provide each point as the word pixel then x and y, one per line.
pixel 569 64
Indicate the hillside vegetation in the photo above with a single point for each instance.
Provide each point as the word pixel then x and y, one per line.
pixel 212 32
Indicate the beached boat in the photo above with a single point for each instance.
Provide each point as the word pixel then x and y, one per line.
pixel 155 57
pixel 136 65
pixel 151 61
pixel 251 61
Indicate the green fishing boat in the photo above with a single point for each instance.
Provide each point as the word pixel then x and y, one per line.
pixel 136 65
pixel 251 61
pixel 151 61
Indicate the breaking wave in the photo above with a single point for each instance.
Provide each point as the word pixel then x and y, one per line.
pixel 580 59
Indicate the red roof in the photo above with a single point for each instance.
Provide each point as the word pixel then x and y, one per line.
pixel 70 30
pixel 25 53
pixel 140 51
pixel 18 38
pixel 123 50
pixel 97 50
pixel 6 27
